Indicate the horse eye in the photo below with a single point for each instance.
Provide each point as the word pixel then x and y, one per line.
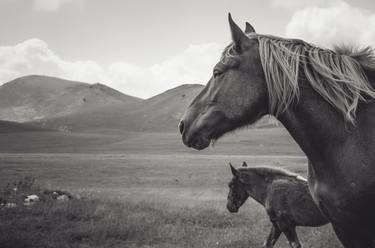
pixel 217 73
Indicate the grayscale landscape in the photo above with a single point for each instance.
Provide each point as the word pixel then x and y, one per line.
pixel 102 144
pixel 139 185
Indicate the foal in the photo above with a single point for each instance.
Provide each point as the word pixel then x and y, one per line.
pixel 285 196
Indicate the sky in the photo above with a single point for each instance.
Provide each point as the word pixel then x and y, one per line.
pixel 145 47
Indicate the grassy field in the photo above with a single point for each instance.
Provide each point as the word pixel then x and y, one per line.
pixel 145 190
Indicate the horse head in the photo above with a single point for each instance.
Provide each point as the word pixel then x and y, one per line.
pixel 236 94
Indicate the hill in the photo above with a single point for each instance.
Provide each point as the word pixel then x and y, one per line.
pixel 41 97
pixel 15 127
pixel 71 106
pixel 159 113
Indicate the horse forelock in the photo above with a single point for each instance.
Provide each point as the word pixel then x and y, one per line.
pixel 336 75
pixel 229 52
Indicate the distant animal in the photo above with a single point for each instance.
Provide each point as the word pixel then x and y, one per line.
pixel 284 195
pixel 324 98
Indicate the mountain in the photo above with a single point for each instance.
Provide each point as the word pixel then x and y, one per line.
pixel 15 127
pixel 163 112
pixel 53 103
pixel 159 113
pixel 41 97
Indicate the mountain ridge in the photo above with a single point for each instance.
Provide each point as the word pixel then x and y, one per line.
pixel 71 106
pixel 158 113
pixel 36 97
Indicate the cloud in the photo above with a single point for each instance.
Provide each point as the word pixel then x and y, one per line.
pixel 337 23
pixel 299 4
pixel 54 5
pixel 194 65
pixel 33 56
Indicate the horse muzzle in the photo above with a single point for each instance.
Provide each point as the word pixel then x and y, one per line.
pixel 196 140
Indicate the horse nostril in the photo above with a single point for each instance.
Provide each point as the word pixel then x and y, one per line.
pixel 181 126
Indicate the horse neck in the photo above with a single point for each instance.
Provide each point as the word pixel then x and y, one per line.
pixel 257 189
pixel 315 125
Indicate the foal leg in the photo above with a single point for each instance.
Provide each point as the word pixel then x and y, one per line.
pixel 291 235
pixel 272 237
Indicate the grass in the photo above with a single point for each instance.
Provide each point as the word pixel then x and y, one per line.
pixel 143 190
pixel 135 206
pixel 95 223
pixel 274 141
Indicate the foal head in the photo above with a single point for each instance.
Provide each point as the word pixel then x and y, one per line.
pixel 237 192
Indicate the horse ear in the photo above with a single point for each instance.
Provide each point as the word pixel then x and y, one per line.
pixel 239 38
pixel 249 29
pixel 234 170
pixel 244 164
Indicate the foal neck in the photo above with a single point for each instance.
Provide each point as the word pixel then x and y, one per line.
pixel 257 189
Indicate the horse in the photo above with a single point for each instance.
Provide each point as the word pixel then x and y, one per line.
pixel 284 195
pixel 323 97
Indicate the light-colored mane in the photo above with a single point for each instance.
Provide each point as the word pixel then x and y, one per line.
pixel 338 76
pixel 271 172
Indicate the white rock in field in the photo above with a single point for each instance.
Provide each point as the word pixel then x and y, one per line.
pixel 62 198
pixel 10 205
pixel 31 199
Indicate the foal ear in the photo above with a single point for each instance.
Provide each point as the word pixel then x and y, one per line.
pixel 244 164
pixel 249 29
pixel 240 39
pixel 234 170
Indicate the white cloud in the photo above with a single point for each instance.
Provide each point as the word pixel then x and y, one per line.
pixel 194 65
pixel 336 23
pixel 54 5
pixel 299 4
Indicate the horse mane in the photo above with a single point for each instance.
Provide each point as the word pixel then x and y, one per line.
pixel 364 56
pixel 336 75
pixel 270 172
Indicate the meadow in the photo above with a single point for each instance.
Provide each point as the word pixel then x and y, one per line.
pixel 143 190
